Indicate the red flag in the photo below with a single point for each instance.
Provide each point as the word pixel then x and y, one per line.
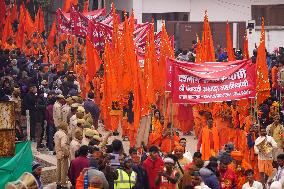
pixel 93 60
pixel 230 52
pixel 262 81
pixel 246 52
pixel 52 34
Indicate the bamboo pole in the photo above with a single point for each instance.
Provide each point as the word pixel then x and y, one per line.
pixel 172 121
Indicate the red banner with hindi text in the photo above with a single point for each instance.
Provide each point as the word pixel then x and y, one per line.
pixel 210 82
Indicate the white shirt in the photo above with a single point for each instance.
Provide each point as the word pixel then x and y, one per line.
pixel 279 176
pixel 261 155
pixel 255 185
pixel 202 186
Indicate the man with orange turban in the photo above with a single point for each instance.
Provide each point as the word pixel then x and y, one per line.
pixel 239 166
pixel 179 152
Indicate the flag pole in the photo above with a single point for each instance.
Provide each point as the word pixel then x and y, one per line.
pixel 172 121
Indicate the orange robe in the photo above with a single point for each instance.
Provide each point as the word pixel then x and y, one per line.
pixel 168 144
pixel 114 119
pixel 209 141
pixel 156 134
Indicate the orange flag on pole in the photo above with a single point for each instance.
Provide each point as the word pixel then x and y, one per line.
pixel 207 41
pixel 52 34
pixel 7 31
pixel 67 5
pixel 166 50
pixel 30 25
pixel 14 13
pixel 246 51
pixel 262 81
pixel 39 21
pixel 199 51
pixel 149 72
pixel 21 27
pixel 230 51
pixel 86 6
pixel 93 60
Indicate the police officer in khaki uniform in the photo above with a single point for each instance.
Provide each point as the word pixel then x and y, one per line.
pixel 57 110
pixel 62 154
pixel 76 143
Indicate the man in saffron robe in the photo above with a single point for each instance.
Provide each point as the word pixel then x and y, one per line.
pixel 156 130
pixel 170 140
pixel 208 140
pixel 239 166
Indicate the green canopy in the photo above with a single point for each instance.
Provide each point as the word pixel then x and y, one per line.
pixel 12 168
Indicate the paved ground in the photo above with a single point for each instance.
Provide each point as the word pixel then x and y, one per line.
pixel 49 160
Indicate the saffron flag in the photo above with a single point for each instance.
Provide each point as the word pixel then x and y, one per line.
pixel 230 51
pixel 262 81
pixel 52 34
pixel 21 27
pixel 246 51
pixel 39 21
pixel 86 6
pixel 149 72
pixel 207 41
pixel 7 31
pixel 93 61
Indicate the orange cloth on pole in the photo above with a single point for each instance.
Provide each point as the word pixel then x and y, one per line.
pixel 93 60
pixel 86 6
pixel 29 23
pixel 207 41
pixel 52 34
pixel 245 51
pixel 39 21
pixel 7 31
pixel 14 13
pixel 21 28
pixel 230 51
pixel 262 80
pixel 150 64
